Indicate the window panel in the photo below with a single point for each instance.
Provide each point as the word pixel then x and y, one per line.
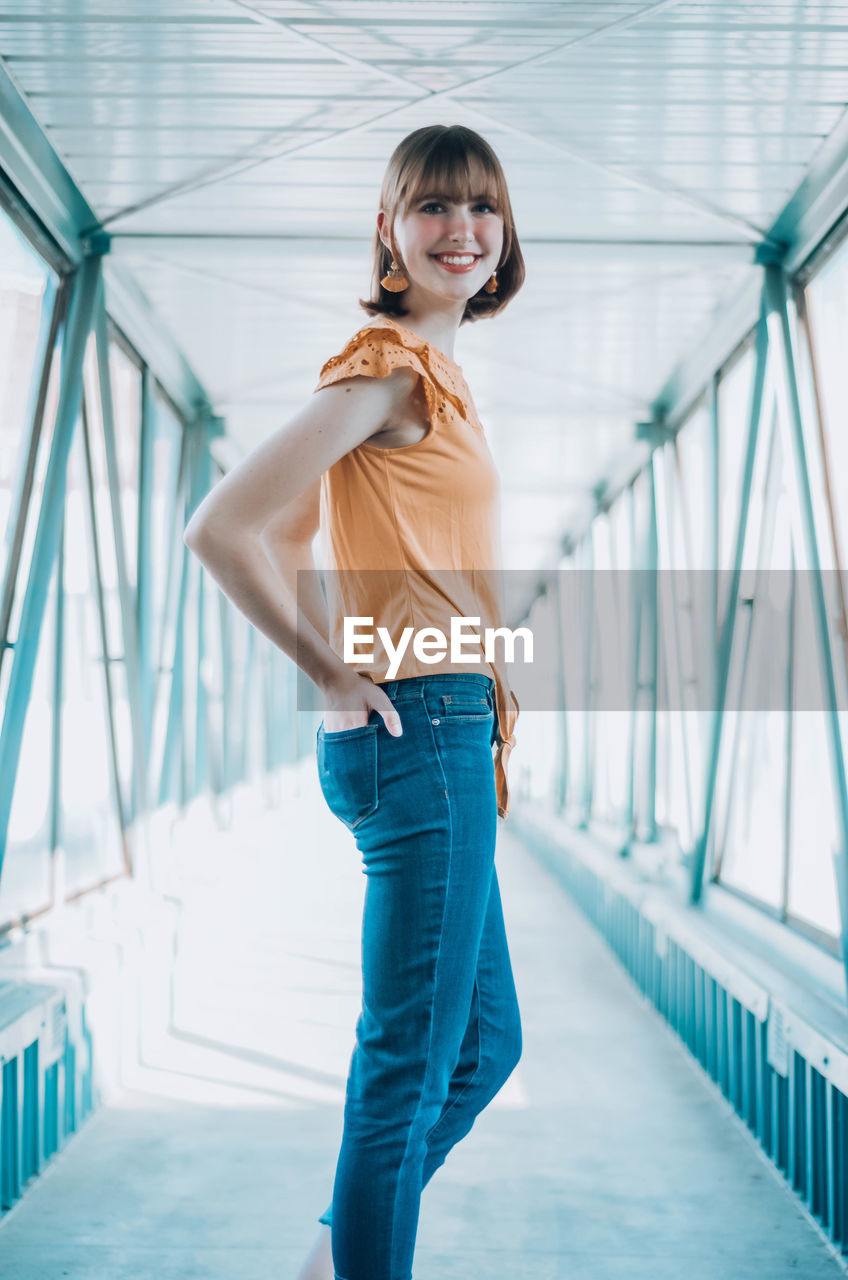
pixel 695 459
pixel 166 521
pixel 23 283
pixel 25 884
pixel 90 829
pixel 827 302
pixel 212 676
pixel 611 726
pixel 125 377
pixel 734 395
pixel 31 516
pixel 814 832
pixel 753 846
pixel 109 574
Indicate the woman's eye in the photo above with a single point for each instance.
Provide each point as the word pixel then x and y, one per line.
pixel 436 204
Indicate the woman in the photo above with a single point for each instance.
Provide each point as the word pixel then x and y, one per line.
pixel 390 460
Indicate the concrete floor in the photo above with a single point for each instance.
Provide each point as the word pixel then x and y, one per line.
pixel 606 1155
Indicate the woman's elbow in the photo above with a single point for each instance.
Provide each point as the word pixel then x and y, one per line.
pixel 194 533
pixel 202 536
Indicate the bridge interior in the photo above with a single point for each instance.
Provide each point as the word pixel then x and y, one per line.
pixel 187 203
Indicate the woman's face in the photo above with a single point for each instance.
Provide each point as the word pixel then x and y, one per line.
pixel 433 229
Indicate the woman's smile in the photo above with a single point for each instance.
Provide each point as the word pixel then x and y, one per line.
pixel 457 262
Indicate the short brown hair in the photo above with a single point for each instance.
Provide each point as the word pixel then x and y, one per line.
pixel 441 157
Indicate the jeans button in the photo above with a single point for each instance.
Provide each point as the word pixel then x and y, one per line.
pixel 435 722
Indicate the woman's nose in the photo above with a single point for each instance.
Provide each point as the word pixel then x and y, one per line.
pixel 462 227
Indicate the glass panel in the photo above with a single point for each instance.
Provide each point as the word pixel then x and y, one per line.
pixel 827 303
pixel 191 675
pixel 126 400
pixel 535 770
pixel 574 610
pixel 23 281
pixel 753 842
pixel 212 676
pixel 734 394
pixel 644 788
pixel 253 709
pixel 695 460
pixel 612 765
pixel 89 831
pixel 686 651
pixel 31 518
pixel 827 307
pixel 240 630
pixel 164 516
pixel 25 885
pixel 621 532
pixel 109 572
pixel 611 727
pixel 532 770
pixel 814 833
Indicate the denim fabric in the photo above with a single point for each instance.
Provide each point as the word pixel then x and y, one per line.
pixel 439 1031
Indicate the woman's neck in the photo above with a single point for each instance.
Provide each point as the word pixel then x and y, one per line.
pixel 437 327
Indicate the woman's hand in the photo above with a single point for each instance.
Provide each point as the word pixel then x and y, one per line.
pixel 349 706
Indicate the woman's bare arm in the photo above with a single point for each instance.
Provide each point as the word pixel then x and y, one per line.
pixel 287 542
pixel 261 514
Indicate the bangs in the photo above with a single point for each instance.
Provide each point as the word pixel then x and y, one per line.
pixel 455 175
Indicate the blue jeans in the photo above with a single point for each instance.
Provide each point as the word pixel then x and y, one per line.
pixel 439 1031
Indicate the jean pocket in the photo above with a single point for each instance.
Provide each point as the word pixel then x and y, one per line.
pixel 466 708
pixel 347 772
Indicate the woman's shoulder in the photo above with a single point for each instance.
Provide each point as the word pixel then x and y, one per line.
pixel 380 332
pixel 375 350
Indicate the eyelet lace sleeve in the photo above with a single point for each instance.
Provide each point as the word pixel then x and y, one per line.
pixel 373 352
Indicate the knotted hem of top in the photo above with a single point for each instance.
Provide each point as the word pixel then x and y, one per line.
pixel 503 748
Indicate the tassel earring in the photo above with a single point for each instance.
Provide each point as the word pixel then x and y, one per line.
pixel 395 281
pixel 491 285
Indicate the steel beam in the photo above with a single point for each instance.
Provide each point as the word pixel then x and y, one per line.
pixel 819 202
pixel 38 174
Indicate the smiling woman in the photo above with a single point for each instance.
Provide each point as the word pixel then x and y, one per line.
pixel 413 762
pixel 435 173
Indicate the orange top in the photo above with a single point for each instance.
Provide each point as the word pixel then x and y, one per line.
pixel 411 534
